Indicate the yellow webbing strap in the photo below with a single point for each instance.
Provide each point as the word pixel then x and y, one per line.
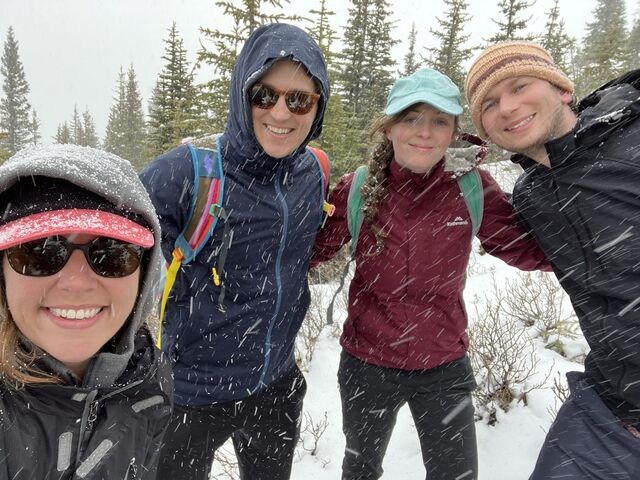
pixel 172 273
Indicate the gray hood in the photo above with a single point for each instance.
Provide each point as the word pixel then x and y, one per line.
pixel 114 179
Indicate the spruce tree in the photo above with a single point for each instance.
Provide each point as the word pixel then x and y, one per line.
pixel 126 130
pixel 76 127
pixel 135 132
pixel 221 48
pixel 604 54
pixel 410 62
pixel 557 42
pixel 14 107
pixel 633 45
pixel 339 139
pixel 90 136
pixel 114 137
pixel 511 24
pixel 365 77
pixel 63 135
pixel 450 56
pixel 172 108
pixel 34 128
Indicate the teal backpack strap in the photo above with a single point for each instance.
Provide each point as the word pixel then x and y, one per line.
pixel 471 187
pixel 355 215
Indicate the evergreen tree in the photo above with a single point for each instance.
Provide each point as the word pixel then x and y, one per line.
pixel 557 42
pixel 410 63
pixel 126 130
pixel 366 77
pixel 604 54
pixel 633 45
pixel 511 24
pixel 76 127
pixel 450 55
pixel 114 137
pixel 63 134
pixel 224 49
pixel 34 128
pixel 338 137
pixel 172 108
pixel 14 107
pixel 135 132
pixel 89 135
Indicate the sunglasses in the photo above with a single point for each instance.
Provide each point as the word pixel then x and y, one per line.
pixel 298 102
pixel 107 257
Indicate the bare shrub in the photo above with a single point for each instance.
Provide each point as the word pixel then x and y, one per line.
pixel 561 392
pixel 311 433
pixel 310 330
pixel 536 299
pixel 225 464
pixel 503 357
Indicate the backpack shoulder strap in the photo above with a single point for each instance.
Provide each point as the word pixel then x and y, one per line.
pixel 471 187
pixel 355 214
pixel 204 211
pixel 325 168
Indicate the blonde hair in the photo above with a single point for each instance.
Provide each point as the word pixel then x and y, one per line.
pixel 374 190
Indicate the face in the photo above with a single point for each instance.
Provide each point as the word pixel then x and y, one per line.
pixel 277 130
pixel 71 314
pixel 421 137
pixel 521 114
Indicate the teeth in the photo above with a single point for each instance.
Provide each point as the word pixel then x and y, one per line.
pixel 519 124
pixel 75 314
pixel 277 130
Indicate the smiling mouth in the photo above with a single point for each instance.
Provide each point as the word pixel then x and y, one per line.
pixel 71 314
pixel 279 131
pixel 521 123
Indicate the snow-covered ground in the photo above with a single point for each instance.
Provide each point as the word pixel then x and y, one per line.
pixel 507 449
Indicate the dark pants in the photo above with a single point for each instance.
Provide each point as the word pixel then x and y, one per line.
pixel 264 427
pixel 586 441
pixel 440 403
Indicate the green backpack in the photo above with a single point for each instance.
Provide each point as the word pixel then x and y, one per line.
pixel 457 161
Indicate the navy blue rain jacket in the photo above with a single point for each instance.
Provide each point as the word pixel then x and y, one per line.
pixel 275 209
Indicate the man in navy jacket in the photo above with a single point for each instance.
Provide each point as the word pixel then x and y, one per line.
pixel 580 197
pixel 233 357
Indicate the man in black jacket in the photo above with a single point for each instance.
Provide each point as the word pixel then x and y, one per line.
pixel 580 197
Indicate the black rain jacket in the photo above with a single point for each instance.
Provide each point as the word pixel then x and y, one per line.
pixel 584 212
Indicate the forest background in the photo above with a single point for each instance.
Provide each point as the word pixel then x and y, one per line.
pixel 190 97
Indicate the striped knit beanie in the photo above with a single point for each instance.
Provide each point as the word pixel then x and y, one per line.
pixel 505 60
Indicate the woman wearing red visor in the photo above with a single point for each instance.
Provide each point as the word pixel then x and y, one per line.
pixel 83 391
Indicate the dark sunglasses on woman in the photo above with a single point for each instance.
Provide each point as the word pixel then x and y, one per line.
pixel 107 257
pixel 298 102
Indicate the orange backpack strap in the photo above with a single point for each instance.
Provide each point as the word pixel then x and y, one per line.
pixel 325 166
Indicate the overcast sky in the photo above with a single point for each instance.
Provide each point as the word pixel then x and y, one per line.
pixel 72 50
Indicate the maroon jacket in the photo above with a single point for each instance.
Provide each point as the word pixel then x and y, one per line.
pixel 405 305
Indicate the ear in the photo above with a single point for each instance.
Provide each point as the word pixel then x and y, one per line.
pixel 566 97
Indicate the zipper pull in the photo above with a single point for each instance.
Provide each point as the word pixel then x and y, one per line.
pixel 93 414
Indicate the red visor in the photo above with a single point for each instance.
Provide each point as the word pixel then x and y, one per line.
pixel 64 222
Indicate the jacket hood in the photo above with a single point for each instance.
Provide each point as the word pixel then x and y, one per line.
pixel 114 179
pixel 263 48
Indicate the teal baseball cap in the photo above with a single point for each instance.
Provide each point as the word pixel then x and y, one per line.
pixel 424 86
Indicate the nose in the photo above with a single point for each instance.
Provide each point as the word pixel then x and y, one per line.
pixel 77 275
pixel 507 104
pixel 280 110
pixel 424 130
